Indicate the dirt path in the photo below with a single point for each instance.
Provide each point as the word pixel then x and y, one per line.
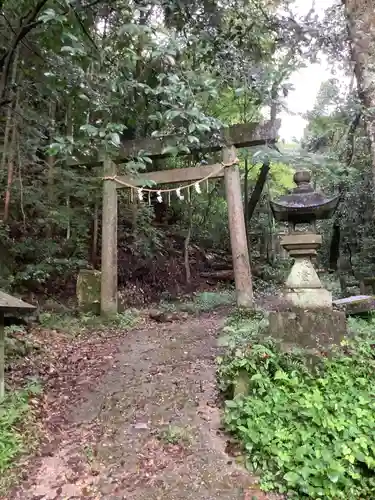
pixel 149 429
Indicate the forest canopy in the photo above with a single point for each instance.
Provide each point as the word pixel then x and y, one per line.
pixel 80 78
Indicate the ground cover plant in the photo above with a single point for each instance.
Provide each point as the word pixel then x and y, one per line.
pixel 308 430
pixel 201 302
pixel 15 413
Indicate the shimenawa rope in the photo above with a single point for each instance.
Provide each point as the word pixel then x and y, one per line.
pixel 186 186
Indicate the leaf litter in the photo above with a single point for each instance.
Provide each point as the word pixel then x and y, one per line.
pixel 109 411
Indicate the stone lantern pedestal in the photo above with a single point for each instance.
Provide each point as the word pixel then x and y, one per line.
pixel 303 286
pixel 314 330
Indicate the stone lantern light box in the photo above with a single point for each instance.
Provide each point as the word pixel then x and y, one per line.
pixel 308 301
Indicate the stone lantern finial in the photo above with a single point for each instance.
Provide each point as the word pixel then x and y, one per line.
pixel 302 178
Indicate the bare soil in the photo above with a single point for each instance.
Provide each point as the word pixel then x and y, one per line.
pixel 135 416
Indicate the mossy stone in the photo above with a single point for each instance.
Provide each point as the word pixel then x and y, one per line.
pixel 88 291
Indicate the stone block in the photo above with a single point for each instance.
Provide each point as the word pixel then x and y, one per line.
pixel 308 329
pixel 303 275
pixel 310 298
pixel 88 290
pixel 301 242
pixel 357 304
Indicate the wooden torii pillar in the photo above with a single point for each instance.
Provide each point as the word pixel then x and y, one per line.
pixel 243 135
pixel 108 289
pixel 237 230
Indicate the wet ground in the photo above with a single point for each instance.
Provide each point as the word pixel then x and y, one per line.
pixel 147 426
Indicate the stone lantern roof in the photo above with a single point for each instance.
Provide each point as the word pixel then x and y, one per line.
pixel 303 205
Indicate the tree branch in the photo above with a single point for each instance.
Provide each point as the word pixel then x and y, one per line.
pixel 6 61
pixel 258 189
pixel 27 23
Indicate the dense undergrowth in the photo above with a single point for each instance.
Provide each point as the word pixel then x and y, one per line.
pixel 17 433
pixel 308 430
pixel 79 323
pixel 202 302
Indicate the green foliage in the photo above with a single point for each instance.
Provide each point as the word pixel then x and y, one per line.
pixel 148 240
pixel 339 157
pixel 80 79
pixel 308 429
pixel 278 272
pixel 15 411
pixel 210 219
pixel 280 177
pixel 17 344
pixel 331 283
pixel 203 302
pixel 175 434
pixel 208 301
pixel 86 322
pixel 240 328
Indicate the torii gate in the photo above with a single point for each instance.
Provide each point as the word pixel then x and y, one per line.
pixel 236 136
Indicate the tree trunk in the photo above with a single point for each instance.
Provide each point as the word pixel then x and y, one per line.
pixel 360 15
pixel 68 224
pixel 69 133
pixel 95 236
pixel 8 154
pixel 258 189
pixel 11 159
pixel 51 169
pixel 334 250
pixel 246 205
pixel 186 246
pixel 11 156
pixel 271 255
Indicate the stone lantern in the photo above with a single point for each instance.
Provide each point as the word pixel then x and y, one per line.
pixel 311 319
pixel 305 206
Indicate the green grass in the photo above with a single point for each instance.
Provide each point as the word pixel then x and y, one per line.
pixel 175 434
pixel 16 429
pixel 241 326
pixel 202 302
pixel 17 344
pixel 85 322
pixel 362 327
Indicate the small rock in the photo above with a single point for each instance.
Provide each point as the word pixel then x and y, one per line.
pixel 167 316
pixel 106 489
pixel 48 450
pixel 161 316
pixel 141 425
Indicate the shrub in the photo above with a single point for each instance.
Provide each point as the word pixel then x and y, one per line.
pixel 309 430
pixel 202 302
pixel 86 322
pixel 14 411
pixel 208 301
